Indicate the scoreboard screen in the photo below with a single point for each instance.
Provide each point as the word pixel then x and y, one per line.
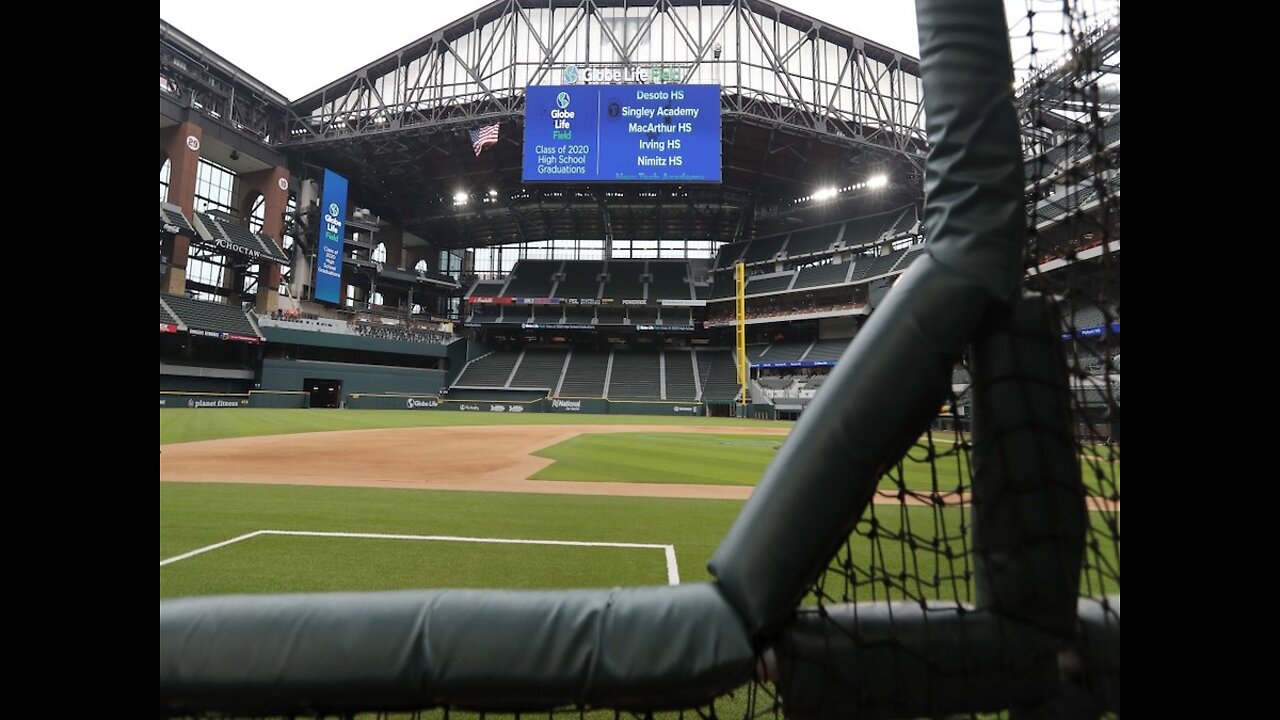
pixel 622 133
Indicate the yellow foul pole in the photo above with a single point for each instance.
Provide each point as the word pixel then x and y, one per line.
pixel 740 282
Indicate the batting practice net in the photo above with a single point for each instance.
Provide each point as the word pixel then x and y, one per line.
pixel 957 590
pixel 939 536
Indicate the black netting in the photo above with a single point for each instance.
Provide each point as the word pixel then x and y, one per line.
pixel 915 546
pixel 913 542
pixel 1070 109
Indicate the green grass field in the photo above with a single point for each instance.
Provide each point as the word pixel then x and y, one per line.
pixel 186 425
pixel 633 457
pixel 661 457
pixel 666 457
pixel 197 515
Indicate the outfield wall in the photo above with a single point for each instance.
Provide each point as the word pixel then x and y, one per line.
pixel 492 395
pixel 251 399
pixel 458 354
pixel 392 401
pixel 651 407
pixel 513 404
pixel 412 401
pixel 762 411
pixel 203 400
pixel 583 406
pixel 279 374
pixel 201 385
pixel 279 399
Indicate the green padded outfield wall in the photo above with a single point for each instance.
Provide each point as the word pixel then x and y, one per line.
pixel 517 401
pixel 644 407
pixel 408 401
pixel 280 374
pixel 279 399
pixel 204 400
pixel 458 353
pixel 493 406
pixel 193 384
pixel 481 395
pixel 578 406
pixel 361 401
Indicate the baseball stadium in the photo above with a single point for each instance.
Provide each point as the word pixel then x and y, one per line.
pixel 647 358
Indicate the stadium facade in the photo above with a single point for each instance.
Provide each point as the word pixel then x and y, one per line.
pixel 459 277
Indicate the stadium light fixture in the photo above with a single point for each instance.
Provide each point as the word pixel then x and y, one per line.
pixel 493 193
pixel 825 194
pixel 878 181
pixel 459 198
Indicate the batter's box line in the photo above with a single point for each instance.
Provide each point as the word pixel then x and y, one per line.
pixel 669 551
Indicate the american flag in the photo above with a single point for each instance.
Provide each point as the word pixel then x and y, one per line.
pixel 484 137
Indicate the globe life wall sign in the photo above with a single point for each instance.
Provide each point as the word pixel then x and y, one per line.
pixel 587 75
pixel 622 133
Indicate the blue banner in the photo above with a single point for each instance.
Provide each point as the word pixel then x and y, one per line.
pixel 1096 331
pixel 795 364
pixel 333 212
pixel 622 133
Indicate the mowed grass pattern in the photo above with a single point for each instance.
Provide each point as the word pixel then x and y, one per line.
pixel 739 460
pixel 193 515
pixel 324 564
pixel 581 458
pixel 186 425
pixel 661 458
pixel 196 515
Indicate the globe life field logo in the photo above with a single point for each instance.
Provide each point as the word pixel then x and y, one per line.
pixel 561 117
pixel 572 75
pixel 331 221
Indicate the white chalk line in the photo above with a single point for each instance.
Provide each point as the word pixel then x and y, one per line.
pixel 669 551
